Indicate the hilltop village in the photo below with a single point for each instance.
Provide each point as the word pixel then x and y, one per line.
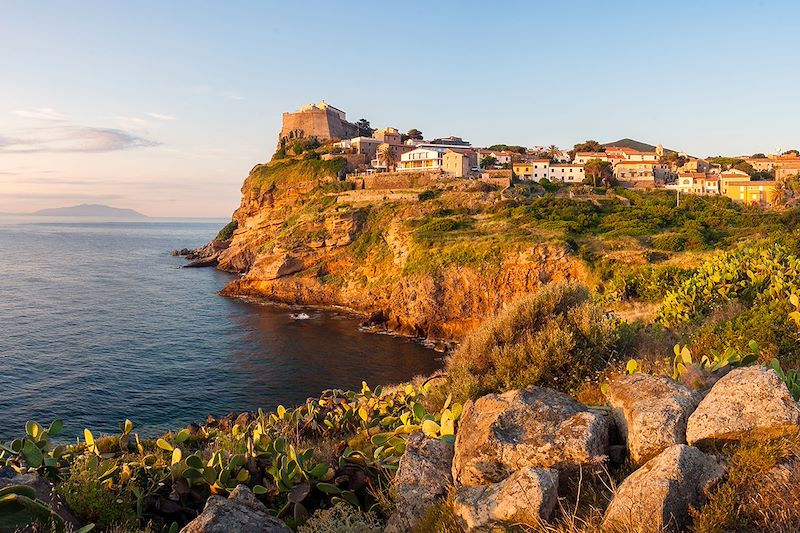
pixel 387 155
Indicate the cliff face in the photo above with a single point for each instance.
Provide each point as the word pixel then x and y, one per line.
pixel 433 265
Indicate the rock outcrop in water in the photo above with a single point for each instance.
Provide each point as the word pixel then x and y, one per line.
pixel 408 263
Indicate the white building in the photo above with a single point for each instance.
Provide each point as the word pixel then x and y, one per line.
pixel 421 160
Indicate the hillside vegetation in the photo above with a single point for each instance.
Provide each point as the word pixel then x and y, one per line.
pixel 541 289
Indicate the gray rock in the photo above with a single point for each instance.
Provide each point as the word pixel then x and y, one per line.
pixel 651 413
pixel 525 498
pixel 748 403
pixel 240 512
pixel 657 497
pixel 423 478
pixel 501 433
pixel 45 491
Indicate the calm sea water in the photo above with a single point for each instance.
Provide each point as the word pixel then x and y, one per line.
pixel 98 323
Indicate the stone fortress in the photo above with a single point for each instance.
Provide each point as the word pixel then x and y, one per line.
pixel 319 121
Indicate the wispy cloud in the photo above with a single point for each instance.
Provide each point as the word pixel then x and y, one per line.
pixel 80 139
pixel 232 95
pixel 41 113
pixel 160 116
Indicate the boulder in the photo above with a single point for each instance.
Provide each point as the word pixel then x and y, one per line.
pixel 422 478
pixel 45 491
pixel 657 497
pixel 525 498
pixel 501 433
pixel 277 266
pixel 748 403
pixel 239 512
pixel 650 413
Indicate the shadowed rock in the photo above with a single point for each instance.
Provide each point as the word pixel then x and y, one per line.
pixel 239 512
pixel 423 477
pixel 657 497
pixel 524 498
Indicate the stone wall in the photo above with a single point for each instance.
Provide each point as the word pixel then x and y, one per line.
pixel 322 124
pixel 396 180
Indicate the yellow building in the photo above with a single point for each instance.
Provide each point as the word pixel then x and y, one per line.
pixel 523 170
pixel 753 192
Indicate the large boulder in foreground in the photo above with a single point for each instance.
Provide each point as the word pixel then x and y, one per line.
pixel 651 413
pixel 748 403
pixel 45 491
pixel 657 497
pixel 240 511
pixel 501 433
pixel 423 478
pixel 524 498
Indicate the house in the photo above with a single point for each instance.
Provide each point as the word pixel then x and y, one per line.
pixel 635 171
pixel 630 154
pixel 458 163
pixel 393 138
pixel 731 175
pixel 787 169
pixel 581 158
pixel 522 169
pixel 421 160
pixel 696 183
pixel 762 193
pixel 541 169
pixel 567 173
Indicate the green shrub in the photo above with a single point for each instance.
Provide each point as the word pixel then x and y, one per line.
pixel 227 232
pixel 553 338
pixel 672 242
pixel 751 274
pixel 342 518
pixel 91 501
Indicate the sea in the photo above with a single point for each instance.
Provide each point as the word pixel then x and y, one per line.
pixel 99 323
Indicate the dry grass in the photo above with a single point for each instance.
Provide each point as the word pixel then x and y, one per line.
pixel 760 493
pixel 554 338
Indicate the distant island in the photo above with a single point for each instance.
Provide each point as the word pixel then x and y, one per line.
pixel 89 210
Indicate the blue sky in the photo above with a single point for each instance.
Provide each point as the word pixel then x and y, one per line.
pixel 165 106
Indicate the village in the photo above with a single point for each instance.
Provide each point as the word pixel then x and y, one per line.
pixel 386 154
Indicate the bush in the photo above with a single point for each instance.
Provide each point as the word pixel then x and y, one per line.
pixel 90 501
pixel 227 232
pixel 760 490
pixel 672 242
pixel 554 338
pixel 342 518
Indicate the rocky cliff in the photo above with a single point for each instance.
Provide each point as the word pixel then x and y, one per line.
pixel 430 261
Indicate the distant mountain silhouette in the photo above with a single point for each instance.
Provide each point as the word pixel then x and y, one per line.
pixel 89 210
pixel 636 145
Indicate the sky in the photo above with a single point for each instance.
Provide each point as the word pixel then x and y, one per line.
pixel 164 107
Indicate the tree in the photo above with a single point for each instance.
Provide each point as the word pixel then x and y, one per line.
pixel 791 152
pixel 553 151
pixel 508 148
pixel 758 156
pixel 596 171
pixel 386 156
pixel 588 146
pixel 745 167
pixel 488 161
pixel 364 129
pixel 415 134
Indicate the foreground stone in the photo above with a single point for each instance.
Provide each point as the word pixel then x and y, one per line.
pixel 748 403
pixel 651 413
pixel 423 477
pixel 657 497
pixel 524 498
pixel 45 491
pixel 501 433
pixel 239 512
